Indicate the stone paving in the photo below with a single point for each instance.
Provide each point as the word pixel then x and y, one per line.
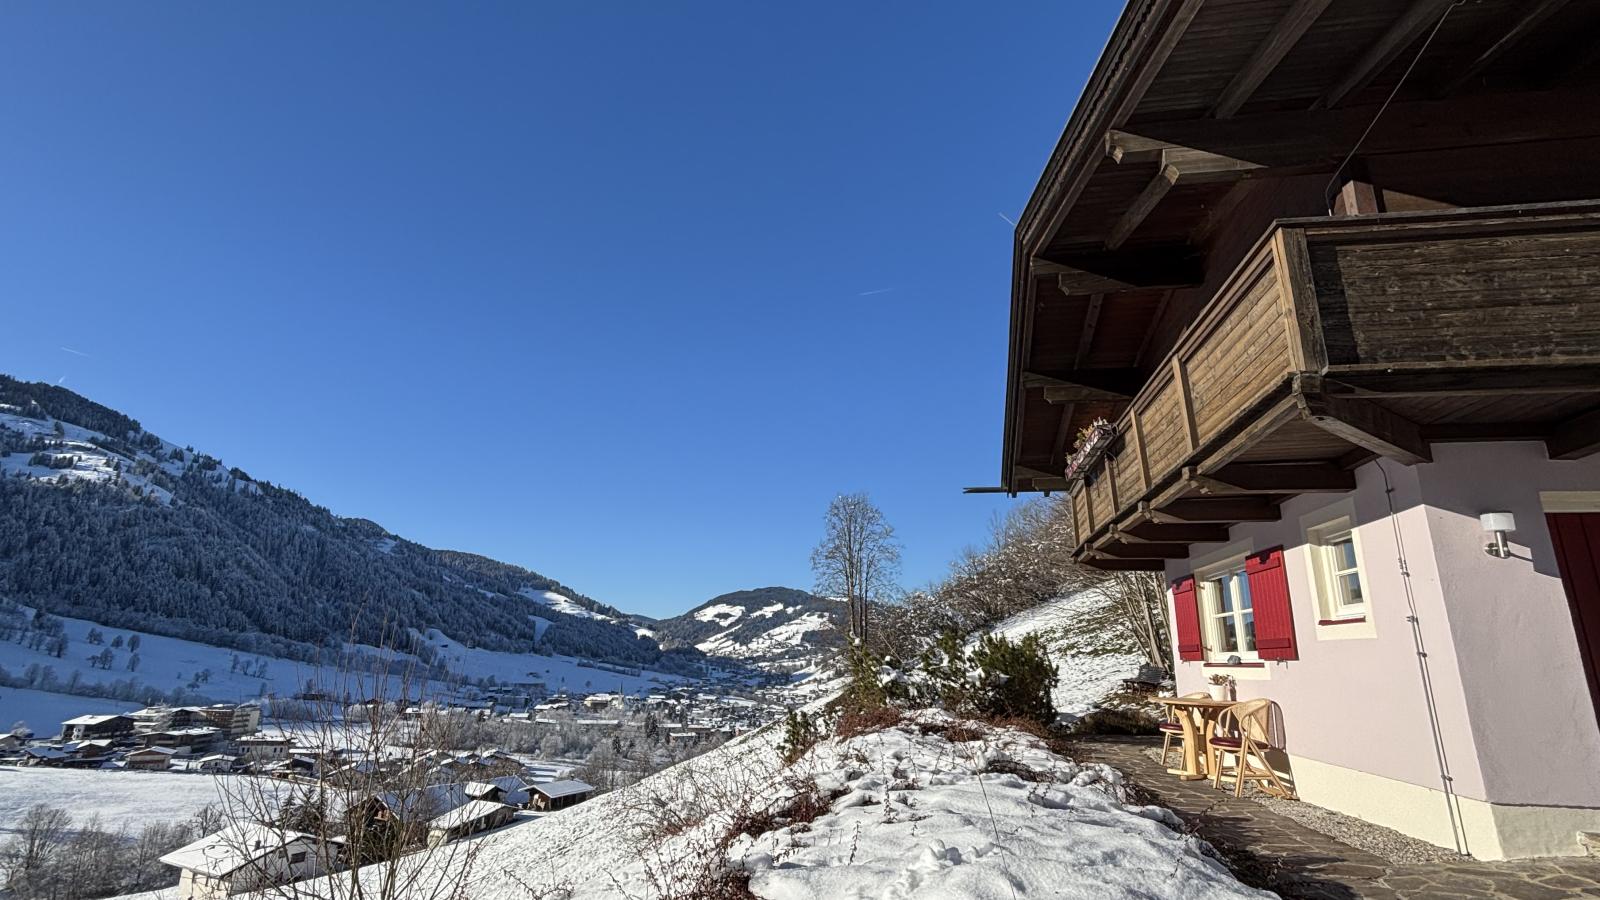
pixel 1273 852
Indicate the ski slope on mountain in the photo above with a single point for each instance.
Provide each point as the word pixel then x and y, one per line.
pixel 779 629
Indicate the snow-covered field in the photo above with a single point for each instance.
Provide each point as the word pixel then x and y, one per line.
pixel 920 810
pixel 134 799
pixel 168 663
pixel 165 663
pixel 557 672
pixel 1079 646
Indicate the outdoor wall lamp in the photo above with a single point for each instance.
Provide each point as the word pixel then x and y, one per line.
pixel 1497 524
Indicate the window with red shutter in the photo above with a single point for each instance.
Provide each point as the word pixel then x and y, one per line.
pixel 1186 619
pixel 1269 593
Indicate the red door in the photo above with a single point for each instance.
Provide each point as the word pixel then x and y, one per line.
pixel 1577 541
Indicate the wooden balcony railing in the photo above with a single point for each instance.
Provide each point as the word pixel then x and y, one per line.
pixel 1339 338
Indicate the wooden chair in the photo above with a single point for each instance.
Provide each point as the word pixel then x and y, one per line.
pixel 1245 730
pixel 1171 728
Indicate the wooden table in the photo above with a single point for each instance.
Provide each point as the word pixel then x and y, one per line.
pixel 1195 715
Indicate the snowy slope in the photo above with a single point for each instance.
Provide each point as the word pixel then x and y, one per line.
pixel 563 604
pixel 104 521
pixel 134 799
pixel 1090 656
pixel 559 673
pixel 172 665
pixel 779 629
pixel 905 812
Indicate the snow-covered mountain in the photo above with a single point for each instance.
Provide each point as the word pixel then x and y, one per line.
pixel 104 522
pixel 776 628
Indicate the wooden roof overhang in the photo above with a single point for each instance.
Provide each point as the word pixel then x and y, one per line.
pixel 1202 114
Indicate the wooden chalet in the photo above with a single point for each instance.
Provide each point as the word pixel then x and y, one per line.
pixel 1305 314
pixel 1259 294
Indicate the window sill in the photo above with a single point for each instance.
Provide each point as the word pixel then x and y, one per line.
pixel 1348 620
pixel 1246 664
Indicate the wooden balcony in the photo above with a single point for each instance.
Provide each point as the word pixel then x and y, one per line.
pixel 1340 339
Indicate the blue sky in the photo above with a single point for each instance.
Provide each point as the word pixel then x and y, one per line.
pixel 622 292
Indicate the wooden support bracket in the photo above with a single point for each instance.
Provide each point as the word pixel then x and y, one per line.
pixel 1361 422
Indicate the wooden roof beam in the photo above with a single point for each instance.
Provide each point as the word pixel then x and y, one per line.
pixel 1082 393
pixel 1144 551
pixel 1219 510
pixel 1271 51
pixel 1577 438
pixel 1169 266
pixel 1173 533
pixel 1113 564
pixel 1109 384
pixel 1532 17
pixel 1091 320
pixel 1179 165
pixel 1272 478
pixel 1362 422
pixel 1418 18
pixel 1309 142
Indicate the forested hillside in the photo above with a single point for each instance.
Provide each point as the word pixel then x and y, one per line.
pixel 102 520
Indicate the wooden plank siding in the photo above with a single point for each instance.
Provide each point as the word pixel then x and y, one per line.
pixel 1244 353
pixel 1127 473
pixel 1483 300
pixel 1407 313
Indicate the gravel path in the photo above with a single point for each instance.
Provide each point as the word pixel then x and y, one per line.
pixel 1375 839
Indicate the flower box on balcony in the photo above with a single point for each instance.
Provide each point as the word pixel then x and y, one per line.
pixel 1093 440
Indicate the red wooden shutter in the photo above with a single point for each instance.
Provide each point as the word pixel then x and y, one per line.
pixel 1269 598
pixel 1186 619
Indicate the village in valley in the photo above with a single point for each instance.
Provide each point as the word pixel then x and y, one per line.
pixel 1286 584
pixel 433 768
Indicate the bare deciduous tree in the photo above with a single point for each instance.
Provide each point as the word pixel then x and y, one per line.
pixel 359 821
pixel 1028 561
pixel 858 559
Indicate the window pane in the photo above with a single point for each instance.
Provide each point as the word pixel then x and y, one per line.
pixel 1344 555
pixel 1243 582
pixel 1249 633
pixel 1225 599
pixel 1229 642
pixel 1350 587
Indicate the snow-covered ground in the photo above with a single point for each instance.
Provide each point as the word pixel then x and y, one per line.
pixel 97 464
pixel 564 604
pixel 557 672
pixel 165 663
pixel 932 808
pixel 134 799
pixel 1088 656
pixel 168 663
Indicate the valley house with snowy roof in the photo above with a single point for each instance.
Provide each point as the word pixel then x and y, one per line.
pixel 1305 316
pixel 243 857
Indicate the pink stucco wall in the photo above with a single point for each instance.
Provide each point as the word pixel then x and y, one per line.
pixel 1502 664
pixel 1511 624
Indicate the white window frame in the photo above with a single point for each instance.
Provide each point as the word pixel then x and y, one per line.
pixel 1207 585
pixel 1336 621
pixel 1328 573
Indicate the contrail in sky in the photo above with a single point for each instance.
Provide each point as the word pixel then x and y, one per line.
pixel 1007 218
pixel 74 352
pixel 878 291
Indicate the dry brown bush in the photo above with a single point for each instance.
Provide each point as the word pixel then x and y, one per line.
pixel 864 720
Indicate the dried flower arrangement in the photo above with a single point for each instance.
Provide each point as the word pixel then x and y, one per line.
pixel 1092 441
